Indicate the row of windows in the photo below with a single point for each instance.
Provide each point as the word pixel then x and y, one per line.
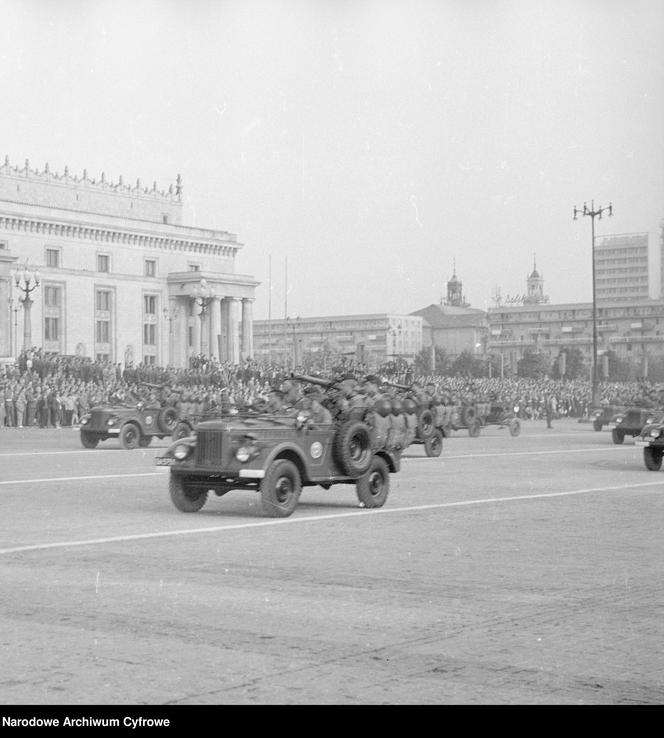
pixel 54 261
pixel 102 331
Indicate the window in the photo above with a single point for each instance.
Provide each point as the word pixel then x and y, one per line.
pixel 190 337
pixel 51 296
pixel 103 263
pixel 103 331
pixel 194 267
pixel 150 268
pixel 150 304
pixel 150 359
pixel 51 329
pixel 103 300
pixel 3 245
pixel 103 357
pixel 149 334
pixel 53 258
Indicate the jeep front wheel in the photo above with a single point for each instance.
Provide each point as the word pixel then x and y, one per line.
pixel 652 458
pixel 130 436
pixel 280 489
pixel 617 436
pixel 184 496
pixel 372 489
pixel 89 440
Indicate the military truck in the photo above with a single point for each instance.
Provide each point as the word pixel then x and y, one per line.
pixel 277 455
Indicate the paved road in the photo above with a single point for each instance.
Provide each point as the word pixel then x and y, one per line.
pixel 510 570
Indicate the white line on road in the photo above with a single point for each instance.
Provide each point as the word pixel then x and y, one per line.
pixel 444 457
pixel 82 479
pixel 318 518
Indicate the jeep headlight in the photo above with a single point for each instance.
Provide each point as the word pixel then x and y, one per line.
pixel 181 451
pixel 654 432
pixel 111 421
pixel 85 421
pixel 619 420
pixel 244 453
pixel 649 421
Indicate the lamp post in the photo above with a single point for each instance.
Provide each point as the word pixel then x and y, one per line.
pixel 170 313
pixel 592 213
pixel 202 295
pixel 27 281
pixel 293 324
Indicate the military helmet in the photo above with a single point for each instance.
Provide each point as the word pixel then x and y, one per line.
pixel 397 406
pixel 383 406
pixel 409 406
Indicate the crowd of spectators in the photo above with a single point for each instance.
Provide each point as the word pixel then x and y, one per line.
pixel 56 391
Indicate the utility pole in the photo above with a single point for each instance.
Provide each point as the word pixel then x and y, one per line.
pixel 592 213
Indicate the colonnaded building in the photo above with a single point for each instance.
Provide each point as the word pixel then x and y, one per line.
pixel 108 270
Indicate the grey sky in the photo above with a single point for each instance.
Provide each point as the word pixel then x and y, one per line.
pixel 371 143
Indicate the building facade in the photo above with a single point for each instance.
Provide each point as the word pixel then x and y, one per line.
pixel 322 341
pixel 632 330
pixel 120 277
pixel 621 268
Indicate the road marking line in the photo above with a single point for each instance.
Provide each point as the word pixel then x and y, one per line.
pixel 443 457
pixel 83 479
pixel 318 518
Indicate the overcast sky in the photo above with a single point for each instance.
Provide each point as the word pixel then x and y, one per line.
pixel 370 144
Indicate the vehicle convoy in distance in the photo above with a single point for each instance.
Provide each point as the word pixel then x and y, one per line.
pixel 277 454
pixel 601 416
pixel 651 438
pixel 134 425
pixel 631 421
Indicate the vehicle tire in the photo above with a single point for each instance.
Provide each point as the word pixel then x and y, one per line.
pixel 597 425
pixel 515 427
pixel 186 498
pixel 433 446
pixel 281 488
pixel 425 424
pixel 167 419
pixel 468 415
pixel 652 458
pixel 617 436
pixel 374 486
pixel 145 441
pixel 352 448
pixel 474 428
pixel 130 436
pixel 89 440
pixel 182 430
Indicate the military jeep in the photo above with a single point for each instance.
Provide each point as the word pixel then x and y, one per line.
pixel 651 439
pixel 277 455
pixel 631 421
pixel 134 425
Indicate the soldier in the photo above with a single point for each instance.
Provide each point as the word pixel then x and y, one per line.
pixel 312 401
pixel 370 388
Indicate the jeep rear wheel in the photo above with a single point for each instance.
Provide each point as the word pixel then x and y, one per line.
pixel 184 496
pixel 130 436
pixel 433 446
pixel 89 440
pixel 425 424
pixel 617 435
pixel 280 489
pixel 372 489
pixel 352 446
pixel 652 458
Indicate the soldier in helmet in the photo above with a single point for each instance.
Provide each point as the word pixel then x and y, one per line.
pixel 312 402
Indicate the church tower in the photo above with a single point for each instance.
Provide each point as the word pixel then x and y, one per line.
pixel 535 284
pixel 455 296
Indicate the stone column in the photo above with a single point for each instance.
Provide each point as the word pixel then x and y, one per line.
pixel 195 322
pixel 181 334
pixel 233 331
pixel 247 349
pixel 224 329
pixel 215 326
pixel 6 314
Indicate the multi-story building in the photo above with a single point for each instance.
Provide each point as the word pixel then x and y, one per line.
pixel 320 341
pixel 621 268
pixel 632 330
pixel 120 276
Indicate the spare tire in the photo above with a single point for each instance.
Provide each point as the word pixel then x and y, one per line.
pixel 425 424
pixel 468 415
pixel 352 448
pixel 167 419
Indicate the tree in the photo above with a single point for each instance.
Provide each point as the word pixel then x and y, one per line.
pixel 466 364
pixel 574 364
pixel 423 361
pixel 533 365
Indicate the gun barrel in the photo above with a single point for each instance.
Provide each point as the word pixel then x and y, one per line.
pixel 398 386
pixel 312 380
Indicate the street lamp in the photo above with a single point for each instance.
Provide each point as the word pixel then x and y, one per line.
pixel 170 313
pixel 592 213
pixel 294 324
pixel 27 281
pixel 202 295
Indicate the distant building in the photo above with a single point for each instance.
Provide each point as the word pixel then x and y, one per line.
pixel 456 329
pixel 371 339
pixel 455 296
pixel 121 277
pixel 535 286
pixel 621 268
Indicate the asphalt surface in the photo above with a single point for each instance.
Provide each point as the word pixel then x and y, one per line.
pixel 520 570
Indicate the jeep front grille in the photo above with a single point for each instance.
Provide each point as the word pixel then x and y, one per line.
pixel 209 448
pixel 98 419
